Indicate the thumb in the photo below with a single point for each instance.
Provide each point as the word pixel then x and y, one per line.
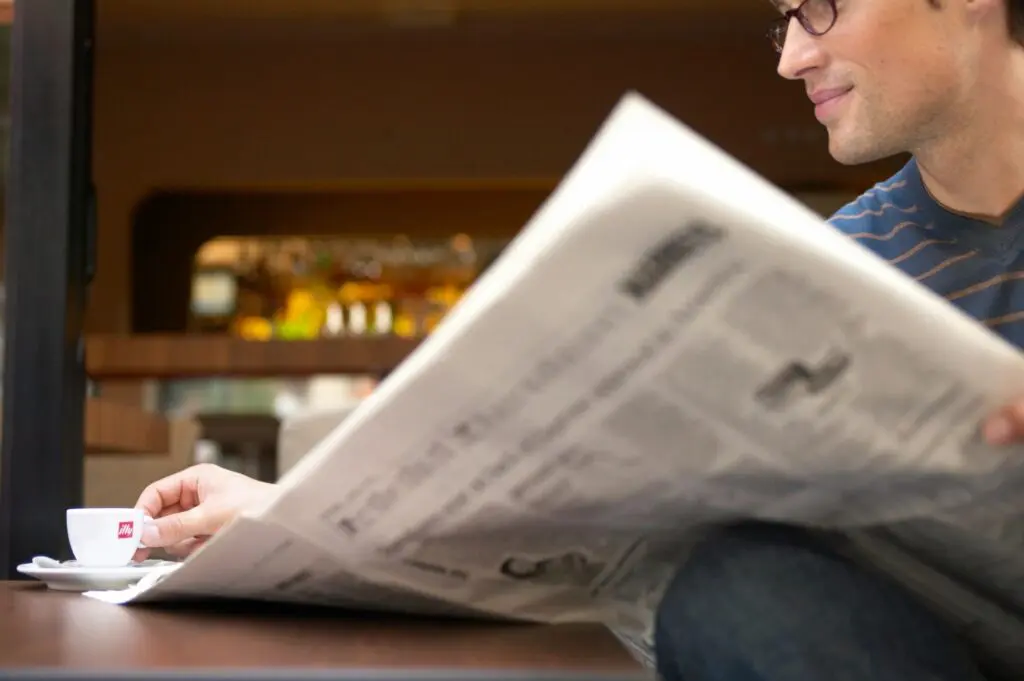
pixel 172 529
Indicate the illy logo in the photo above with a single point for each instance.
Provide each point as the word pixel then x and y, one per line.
pixel 125 530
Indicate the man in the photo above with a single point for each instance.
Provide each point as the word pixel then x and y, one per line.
pixel 943 80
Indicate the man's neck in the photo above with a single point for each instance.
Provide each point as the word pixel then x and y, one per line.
pixel 979 168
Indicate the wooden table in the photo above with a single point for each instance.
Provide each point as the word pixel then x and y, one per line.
pixel 42 628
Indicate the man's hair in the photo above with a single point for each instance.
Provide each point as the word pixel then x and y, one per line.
pixel 1015 18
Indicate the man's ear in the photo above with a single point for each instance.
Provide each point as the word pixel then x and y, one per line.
pixel 985 7
pixel 980 12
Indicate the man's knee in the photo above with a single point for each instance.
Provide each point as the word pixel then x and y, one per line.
pixel 772 602
pixel 735 591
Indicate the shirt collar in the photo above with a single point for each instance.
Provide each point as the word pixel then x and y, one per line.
pixel 967 230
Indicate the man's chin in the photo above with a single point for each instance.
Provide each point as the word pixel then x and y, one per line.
pixel 848 152
pixel 854 145
pixel 846 160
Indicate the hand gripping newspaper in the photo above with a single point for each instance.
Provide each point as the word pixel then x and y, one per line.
pixel 671 343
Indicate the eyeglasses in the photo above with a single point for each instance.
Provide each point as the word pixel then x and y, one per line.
pixel 817 17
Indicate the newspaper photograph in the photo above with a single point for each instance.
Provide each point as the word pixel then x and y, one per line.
pixel 671 343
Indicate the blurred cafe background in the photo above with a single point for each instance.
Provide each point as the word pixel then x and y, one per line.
pixel 292 195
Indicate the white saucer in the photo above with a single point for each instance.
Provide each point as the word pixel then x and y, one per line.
pixel 74 578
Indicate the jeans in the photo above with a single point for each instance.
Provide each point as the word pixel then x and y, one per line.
pixel 762 602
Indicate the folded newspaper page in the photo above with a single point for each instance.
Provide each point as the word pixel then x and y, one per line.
pixel 671 343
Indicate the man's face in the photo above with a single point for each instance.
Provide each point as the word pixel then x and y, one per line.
pixel 890 76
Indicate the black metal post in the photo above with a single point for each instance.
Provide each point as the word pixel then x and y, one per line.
pixel 48 259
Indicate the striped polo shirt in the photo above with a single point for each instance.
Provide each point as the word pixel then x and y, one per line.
pixel 975 264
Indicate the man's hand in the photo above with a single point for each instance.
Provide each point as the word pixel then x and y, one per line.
pixel 190 506
pixel 1006 425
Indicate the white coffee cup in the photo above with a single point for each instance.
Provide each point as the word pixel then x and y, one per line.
pixel 104 537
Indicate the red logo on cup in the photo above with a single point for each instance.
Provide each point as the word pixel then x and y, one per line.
pixel 126 530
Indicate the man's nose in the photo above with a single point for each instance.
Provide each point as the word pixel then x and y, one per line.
pixel 800 53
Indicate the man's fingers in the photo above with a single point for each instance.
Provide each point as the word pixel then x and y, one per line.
pixel 171 510
pixel 175 491
pixel 1006 425
pixel 174 529
pixel 185 548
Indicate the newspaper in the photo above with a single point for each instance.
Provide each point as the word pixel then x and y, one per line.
pixel 671 343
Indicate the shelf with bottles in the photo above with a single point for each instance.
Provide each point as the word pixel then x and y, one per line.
pixel 294 288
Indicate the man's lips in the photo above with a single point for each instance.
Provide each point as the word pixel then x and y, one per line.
pixel 822 96
pixel 826 101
